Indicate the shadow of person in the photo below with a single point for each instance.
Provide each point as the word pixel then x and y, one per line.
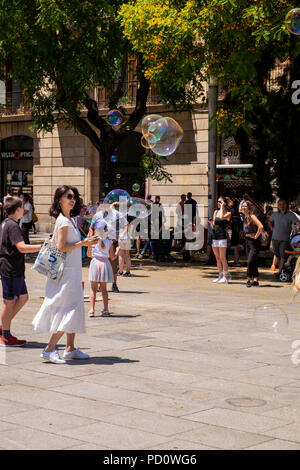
pixel 105 360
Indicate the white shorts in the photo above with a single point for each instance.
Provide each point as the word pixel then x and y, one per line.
pixel 125 244
pixel 220 243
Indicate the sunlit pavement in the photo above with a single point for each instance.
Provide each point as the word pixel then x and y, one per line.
pixel 182 363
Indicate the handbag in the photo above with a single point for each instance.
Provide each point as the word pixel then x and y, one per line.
pixel 50 262
pixel 264 238
pixel 34 218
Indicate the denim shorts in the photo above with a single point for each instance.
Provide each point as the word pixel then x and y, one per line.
pixel 13 287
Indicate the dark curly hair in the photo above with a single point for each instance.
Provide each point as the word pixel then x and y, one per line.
pixel 55 209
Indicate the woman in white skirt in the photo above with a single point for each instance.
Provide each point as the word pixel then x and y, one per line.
pixel 63 308
pixel 101 271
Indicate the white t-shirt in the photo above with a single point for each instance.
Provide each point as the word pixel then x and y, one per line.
pixel 27 218
pixel 99 252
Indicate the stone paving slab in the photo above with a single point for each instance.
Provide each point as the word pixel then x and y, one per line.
pixel 180 365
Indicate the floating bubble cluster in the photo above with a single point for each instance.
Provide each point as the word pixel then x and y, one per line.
pixel 135 187
pixel 271 317
pixel 114 117
pixel 113 158
pixel 292 21
pixel 161 134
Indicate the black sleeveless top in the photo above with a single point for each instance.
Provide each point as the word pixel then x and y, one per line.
pixel 219 231
pixel 252 228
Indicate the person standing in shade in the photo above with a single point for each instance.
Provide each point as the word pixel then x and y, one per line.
pixel 220 220
pixel 281 224
pixel 63 308
pixel 252 229
pixel 26 220
pixel 192 201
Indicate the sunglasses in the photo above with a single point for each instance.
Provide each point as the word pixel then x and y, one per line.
pixel 71 196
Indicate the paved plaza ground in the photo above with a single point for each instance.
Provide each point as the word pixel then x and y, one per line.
pixel 181 364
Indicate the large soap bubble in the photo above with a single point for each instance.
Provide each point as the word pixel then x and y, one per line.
pixel 271 317
pixel 147 121
pixel 292 21
pixel 115 195
pixel 114 117
pixel 170 138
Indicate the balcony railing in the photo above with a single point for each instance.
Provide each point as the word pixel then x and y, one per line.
pixel 13 103
pixel 102 95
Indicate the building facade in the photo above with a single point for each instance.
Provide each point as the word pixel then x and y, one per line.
pixel 38 163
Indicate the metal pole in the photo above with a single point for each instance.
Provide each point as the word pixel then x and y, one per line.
pixel 212 144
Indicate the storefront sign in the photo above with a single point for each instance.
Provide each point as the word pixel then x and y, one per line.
pixel 234 174
pixel 231 156
pixel 17 154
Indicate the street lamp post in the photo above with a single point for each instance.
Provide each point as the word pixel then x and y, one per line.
pixel 212 144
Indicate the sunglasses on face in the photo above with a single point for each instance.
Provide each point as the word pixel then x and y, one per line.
pixel 71 196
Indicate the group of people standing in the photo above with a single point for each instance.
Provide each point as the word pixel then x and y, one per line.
pixel 248 228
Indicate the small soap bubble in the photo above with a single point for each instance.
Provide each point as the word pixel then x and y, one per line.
pixel 114 117
pixel 292 21
pixel 271 317
pixel 135 187
pixel 148 141
pixel 113 158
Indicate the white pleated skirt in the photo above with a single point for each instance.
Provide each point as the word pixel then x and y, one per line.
pixel 100 270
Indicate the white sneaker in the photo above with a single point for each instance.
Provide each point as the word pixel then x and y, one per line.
pixel 223 280
pixel 218 279
pixel 76 354
pixel 105 313
pixel 52 356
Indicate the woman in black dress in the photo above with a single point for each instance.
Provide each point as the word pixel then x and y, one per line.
pixel 252 229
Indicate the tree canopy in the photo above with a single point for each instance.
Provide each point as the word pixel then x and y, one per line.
pixel 239 43
pixel 62 49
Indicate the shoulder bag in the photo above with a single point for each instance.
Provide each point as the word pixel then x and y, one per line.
pixel 50 262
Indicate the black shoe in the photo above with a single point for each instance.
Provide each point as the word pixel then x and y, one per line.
pixel 255 283
pixel 127 274
pixel 248 284
pixel 115 288
pixel 119 274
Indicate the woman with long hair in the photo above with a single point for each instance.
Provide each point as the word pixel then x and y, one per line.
pixel 63 308
pixel 252 229
pixel 219 222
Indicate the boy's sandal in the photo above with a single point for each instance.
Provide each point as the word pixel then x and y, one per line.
pixel 91 313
